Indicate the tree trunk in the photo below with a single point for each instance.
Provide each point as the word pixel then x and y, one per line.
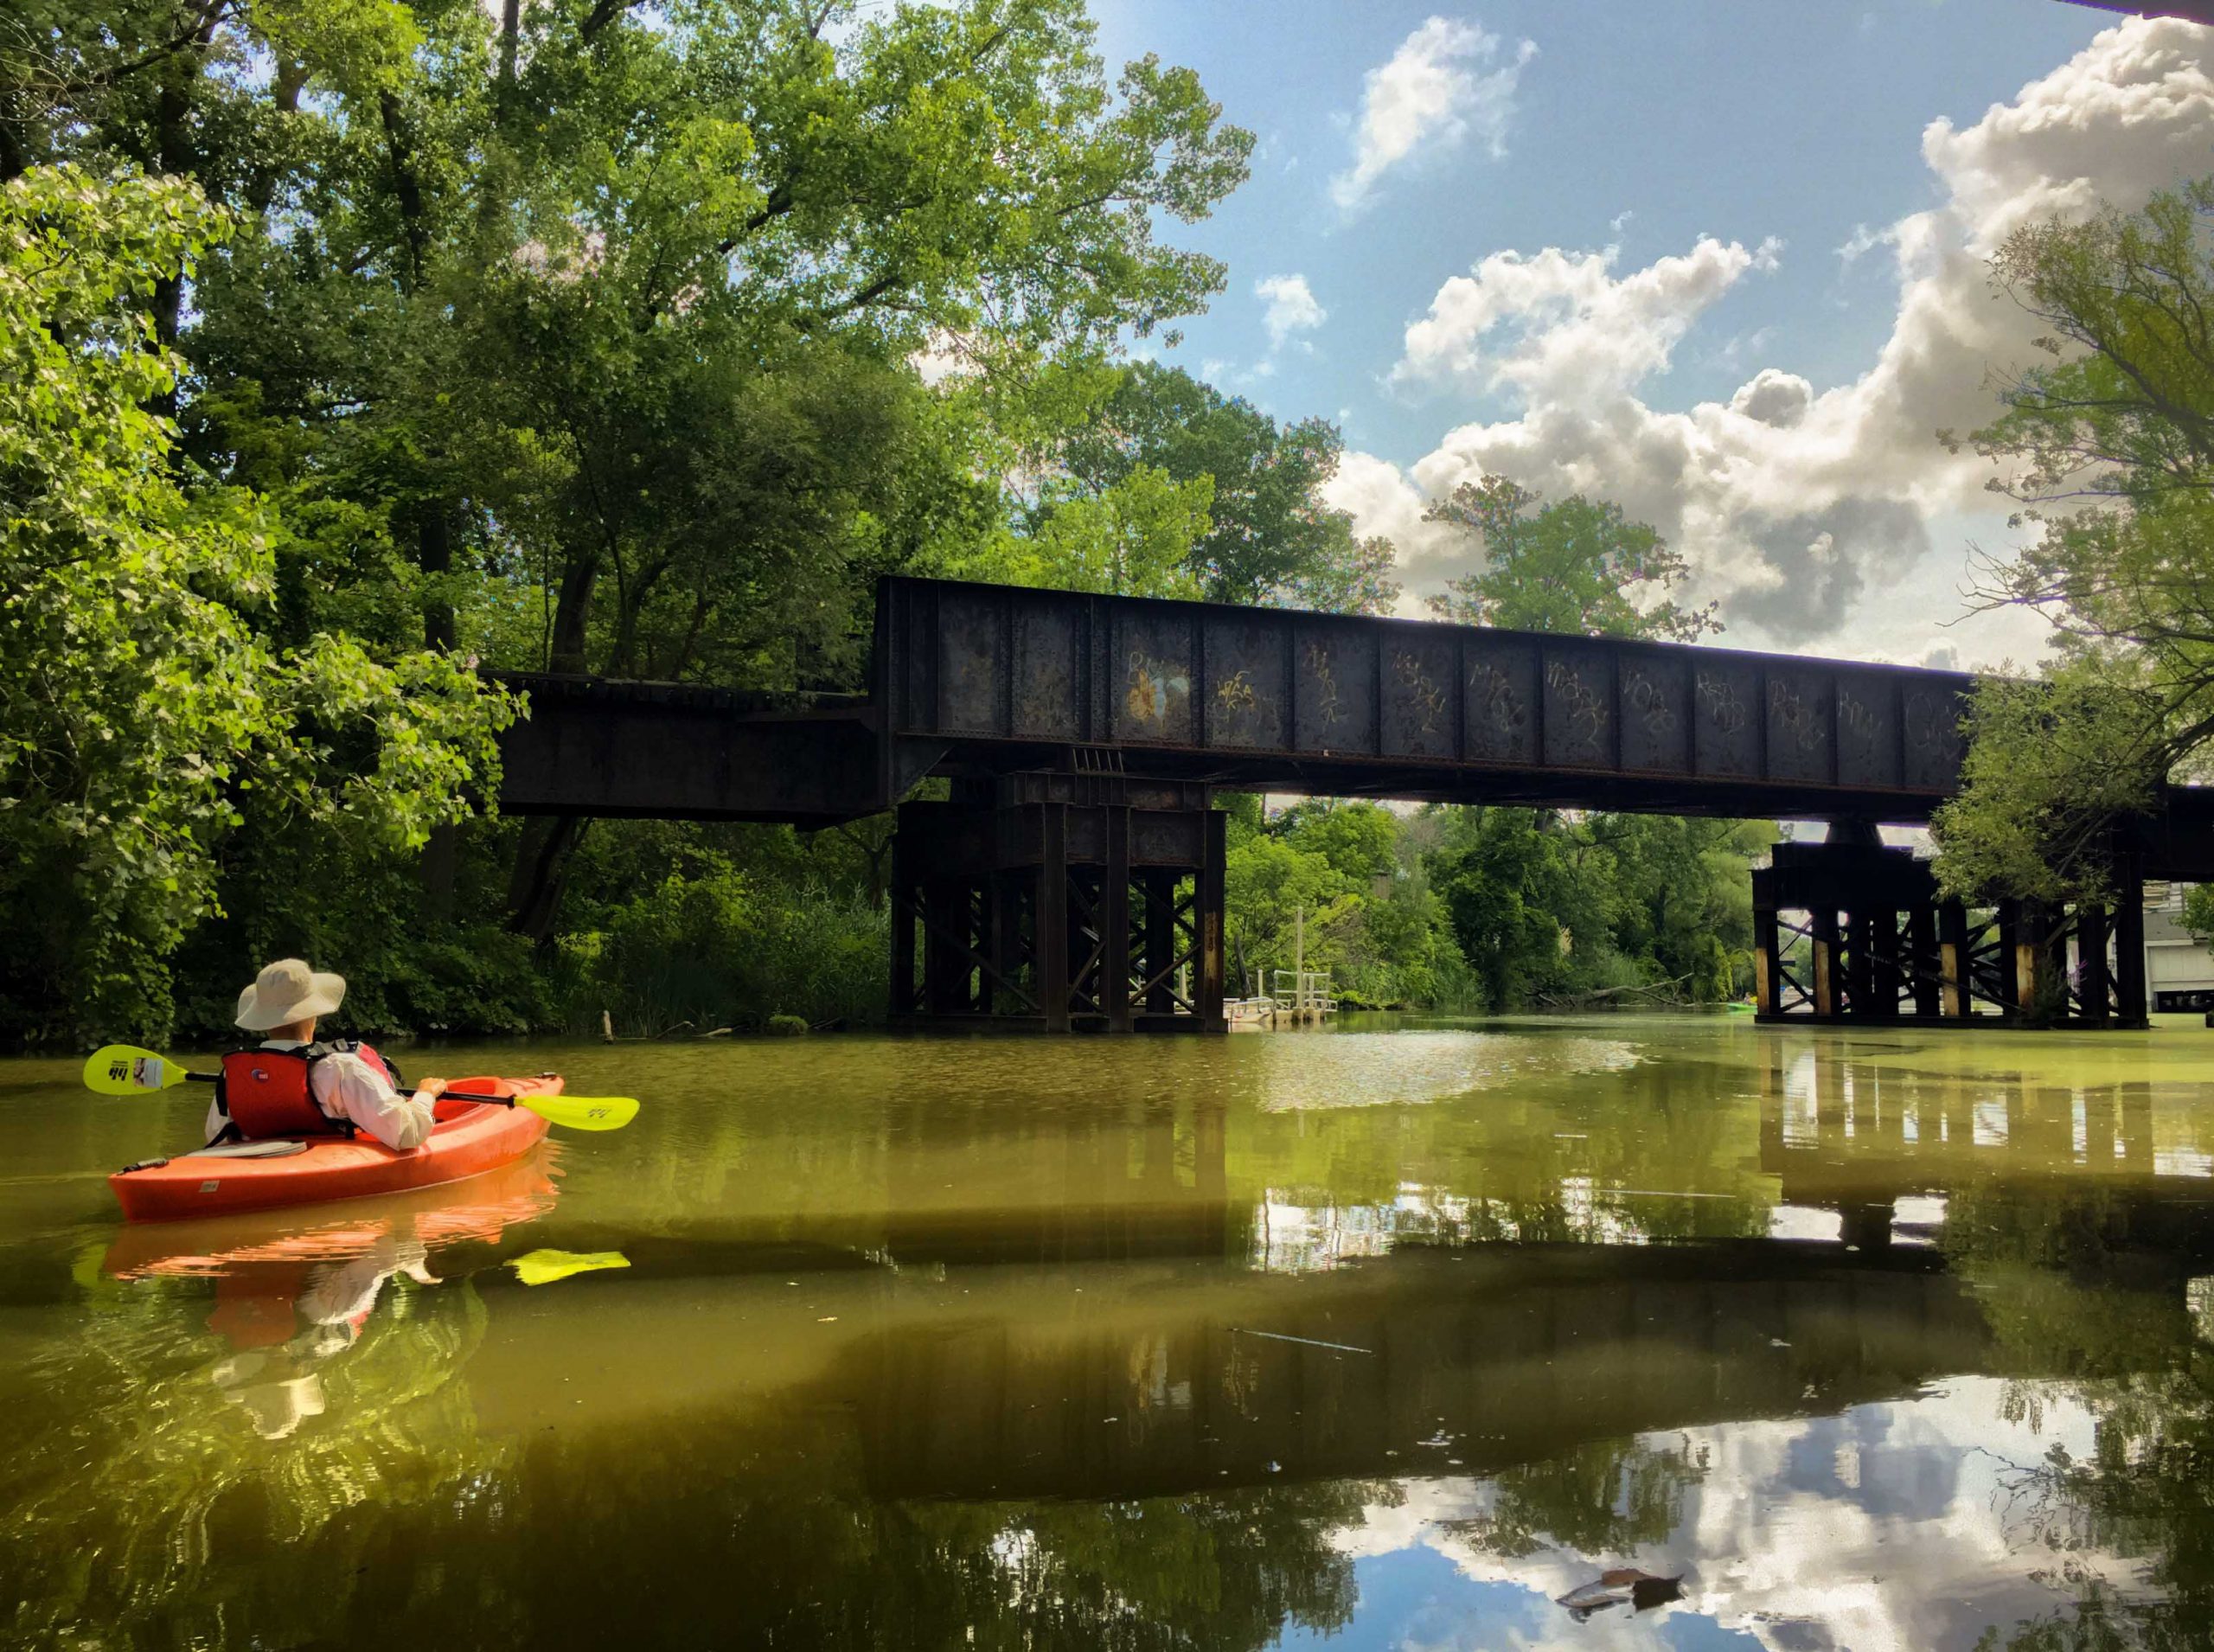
pixel 510 27
pixel 441 865
pixel 172 158
pixel 542 874
pixel 572 609
pixel 286 84
pixel 434 556
pixel 876 855
pixel 542 855
pixel 15 152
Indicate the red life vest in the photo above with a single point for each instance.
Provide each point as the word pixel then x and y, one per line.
pixel 266 1092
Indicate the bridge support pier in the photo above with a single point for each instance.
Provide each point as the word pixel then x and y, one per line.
pixel 1854 934
pixel 1060 901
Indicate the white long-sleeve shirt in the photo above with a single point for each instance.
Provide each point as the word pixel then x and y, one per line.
pixel 346 1086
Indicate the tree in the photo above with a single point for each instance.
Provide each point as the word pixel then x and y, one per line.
pixel 1270 537
pixel 2052 767
pixel 1133 538
pixel 1680 901
pixel 1518 905
pixel 140 715
pixel 1542 905
pixel 1577 566
pixel 584 334
pixel 1357 839
pixel 2108 449
pixel 1272 890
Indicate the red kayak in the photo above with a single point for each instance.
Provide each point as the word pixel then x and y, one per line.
pixel 470 1138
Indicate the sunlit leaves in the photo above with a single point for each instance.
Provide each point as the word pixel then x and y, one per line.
pixel 2109 447
pixel 1577 566
pixel 1270 536
pixel 2050 767
pixel 1133 538
pixel 140 713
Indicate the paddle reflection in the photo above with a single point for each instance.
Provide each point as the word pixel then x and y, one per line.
pixel 296 1289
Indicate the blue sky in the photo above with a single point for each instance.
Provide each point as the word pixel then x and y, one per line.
pixel 1540 136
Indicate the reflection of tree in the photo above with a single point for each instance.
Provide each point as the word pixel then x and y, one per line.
pixel 1540 1158
pixel 2046 1263
pixel 2146 1491
pixel 145 1528
pixel 393 1510
pixel 1602 1497
pixel 762 1530
pixel 1231 1570
pixel 2099 1621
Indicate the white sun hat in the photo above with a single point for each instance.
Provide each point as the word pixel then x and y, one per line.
pixel 288 991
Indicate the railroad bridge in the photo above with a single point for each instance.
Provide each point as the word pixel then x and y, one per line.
pixel 1073 877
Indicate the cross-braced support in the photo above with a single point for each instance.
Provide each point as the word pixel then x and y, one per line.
pixel 1856 934
pixel 1061 901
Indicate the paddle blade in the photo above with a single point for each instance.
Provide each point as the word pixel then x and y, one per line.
pixel 583 1113
pixel 125 1070
pixel 544 1267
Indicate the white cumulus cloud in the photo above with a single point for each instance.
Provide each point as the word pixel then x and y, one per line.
pixel 1562 326
pixel 1292 307
pixel 1447 79
pixel 1806 512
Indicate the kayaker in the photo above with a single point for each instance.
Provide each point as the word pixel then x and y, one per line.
pixel 292 1085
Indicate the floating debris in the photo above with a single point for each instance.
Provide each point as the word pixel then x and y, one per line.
pixel 1640 1590
pixel 1305 1341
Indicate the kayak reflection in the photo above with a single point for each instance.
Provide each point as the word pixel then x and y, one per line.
pixel 295 1289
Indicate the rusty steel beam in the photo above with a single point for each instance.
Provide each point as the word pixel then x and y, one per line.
pixel 1157 701
pixel 1273 699
pixel 659 750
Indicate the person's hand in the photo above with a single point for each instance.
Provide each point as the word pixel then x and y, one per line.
pixel 428 1091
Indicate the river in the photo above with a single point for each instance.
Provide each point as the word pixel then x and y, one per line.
pixel 1391 1335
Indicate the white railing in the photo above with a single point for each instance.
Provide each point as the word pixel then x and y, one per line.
pixel 1304 994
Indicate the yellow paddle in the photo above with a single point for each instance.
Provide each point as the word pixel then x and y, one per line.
pixel 125 1070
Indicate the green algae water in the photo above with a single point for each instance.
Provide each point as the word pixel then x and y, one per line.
pixel 1407 1334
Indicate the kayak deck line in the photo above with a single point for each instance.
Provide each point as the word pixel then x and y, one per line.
pixel 273 1149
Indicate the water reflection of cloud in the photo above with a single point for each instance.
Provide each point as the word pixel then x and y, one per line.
pixel 1884 1526
pixel 1402 1069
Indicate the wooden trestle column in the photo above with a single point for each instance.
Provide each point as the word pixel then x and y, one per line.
pixel 1061 901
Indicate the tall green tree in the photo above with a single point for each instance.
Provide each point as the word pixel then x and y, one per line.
pixel 584 334
pixel 1270 536
pixel 1343 886
pixel 1576 566
pixel 2107 446
pixel 1547 906
pixel 140 713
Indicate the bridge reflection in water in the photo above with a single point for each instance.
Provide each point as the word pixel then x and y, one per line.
pixel 1135 1315
pixel 1493 1353
pixel 1179 1344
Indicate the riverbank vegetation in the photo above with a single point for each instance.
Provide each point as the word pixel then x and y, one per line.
pixel 350 347
pixel 2106 444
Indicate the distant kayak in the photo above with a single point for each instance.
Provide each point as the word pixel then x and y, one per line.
pixel 470 1138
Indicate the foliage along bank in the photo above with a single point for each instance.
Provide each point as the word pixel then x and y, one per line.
pixel 2105 444
pixel 348 346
